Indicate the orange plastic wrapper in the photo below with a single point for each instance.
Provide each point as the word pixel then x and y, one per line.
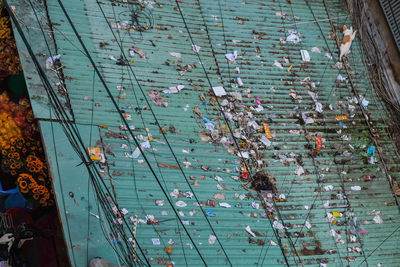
pixel 267 130
pixel 342 118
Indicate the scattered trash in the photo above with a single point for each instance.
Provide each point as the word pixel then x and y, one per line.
pixel 293 37
pixel 210 213
pixel 280 14
pixel 341 78
pixel 356 188
pixel 140 52
pixel 224 204
pixel 328 56
pixel 305 55
pixel 219 91
pixel 299 171
pixel 239 81
pixel 174 89
pixel 168 249
pixel 277 64
pixel 180 204
pixel 231 56
pixel 156 241
pixel 210 203
pixel 315 50
pixel 175 54
pixel 378 219
pixel 196 48
pixel 157 99
pixel 50 61
pixel 248 230
pixel 211 239
pixel 278 225
pixel 328 188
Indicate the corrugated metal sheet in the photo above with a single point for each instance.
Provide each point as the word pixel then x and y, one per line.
pixel 257 32
pixel 392 13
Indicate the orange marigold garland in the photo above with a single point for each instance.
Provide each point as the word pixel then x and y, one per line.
pixel 21 154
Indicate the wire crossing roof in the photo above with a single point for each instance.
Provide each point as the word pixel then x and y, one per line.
pixel 339 207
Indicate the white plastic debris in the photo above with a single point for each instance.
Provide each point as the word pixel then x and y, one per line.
pixel 378 219
pixel 280 14
pixel 277 225
pixel 174 193
pixel 277 64
pixel 231 56
pixel 364 102
pixel 196 48
pixel 145 144
pixel 243 154
pixel 135 154
pixel 318 107
pixel 180 204
pixel 156 241
pixel 239 81
pixel 160 202
pixel 219 91
pixel 225 205
pixel 307 224
pixel 211 239
pixel 328 56
pixel 273 243
pixel 50 61
pixel 305 56
pixel 328 188
pixel 174 89
pixel 176 54
pixel 248 230
pixel 341 78
pixel 299 171
pixel 218 178
pixel 356 188
pixel 188 194
pixel 293 37
pixel 265 141
pixel 255 205
pixel 315 50
pixel 112 58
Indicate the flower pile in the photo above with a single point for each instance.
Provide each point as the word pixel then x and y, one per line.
pixel 22 156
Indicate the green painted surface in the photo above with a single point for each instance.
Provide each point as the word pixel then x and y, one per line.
pixel 254 30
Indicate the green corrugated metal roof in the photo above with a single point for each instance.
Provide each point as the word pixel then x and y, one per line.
pixel 254 30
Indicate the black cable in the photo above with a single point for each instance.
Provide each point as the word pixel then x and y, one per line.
pixel 126 124
pixel 309 145
pixel 54 101
pixel 226 121
pixel 164 136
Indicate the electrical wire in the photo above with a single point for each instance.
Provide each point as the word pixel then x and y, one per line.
pixel 55 102
pixel 227 123
pixel 127 126
pixel 164 136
